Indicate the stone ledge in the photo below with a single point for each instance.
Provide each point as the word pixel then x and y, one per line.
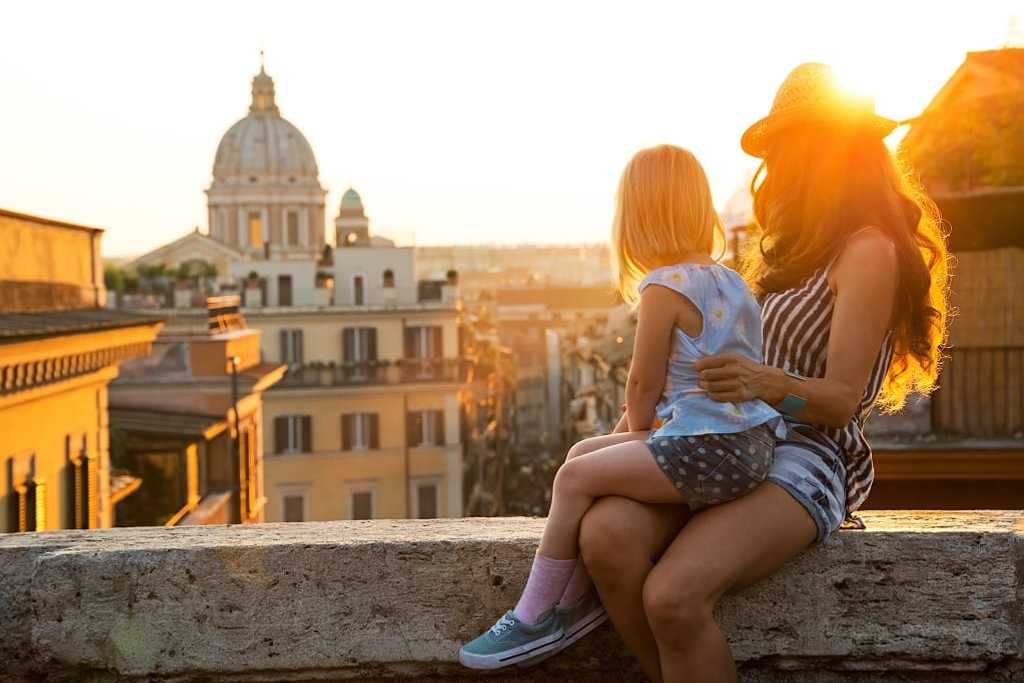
pixel 936 596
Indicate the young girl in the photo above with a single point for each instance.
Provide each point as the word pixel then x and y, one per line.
pixel 704 452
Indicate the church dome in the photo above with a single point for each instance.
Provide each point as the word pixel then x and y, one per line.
pixel 351 199
pixel 264 146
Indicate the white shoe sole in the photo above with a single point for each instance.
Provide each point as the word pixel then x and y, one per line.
pixel 536 648
pixel 594 618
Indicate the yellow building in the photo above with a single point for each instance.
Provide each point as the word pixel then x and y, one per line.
pixel 373 436
pixel 59 349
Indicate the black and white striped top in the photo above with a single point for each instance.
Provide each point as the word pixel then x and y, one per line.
pixel 796 324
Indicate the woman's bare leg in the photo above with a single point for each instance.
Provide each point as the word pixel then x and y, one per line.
pixel 620 541
pixel 725 546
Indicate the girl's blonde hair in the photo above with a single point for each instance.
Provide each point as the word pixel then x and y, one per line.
pixel 663 214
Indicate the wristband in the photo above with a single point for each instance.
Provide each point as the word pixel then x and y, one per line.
pixel 792 404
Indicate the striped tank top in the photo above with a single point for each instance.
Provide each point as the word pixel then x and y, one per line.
pixel 796 324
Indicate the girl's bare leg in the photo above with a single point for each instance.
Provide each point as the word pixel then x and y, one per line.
pixel 595 443
pixel 624 469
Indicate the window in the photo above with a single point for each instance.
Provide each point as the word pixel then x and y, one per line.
pixel 359 350
pixel 360 431
pixel 423 342
pixel 294 508
pixel 291 347
pixel 293 434
pixel 284 290
pixel 358 291
pixel 359 344
pixel 362 505
pixel 27 495
pixel 255 229
pixel 81 483
pixel 292 227
pixel 425 428
pixel 389 278
pixel 426 501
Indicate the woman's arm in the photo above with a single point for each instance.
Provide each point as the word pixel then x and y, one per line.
pixel 660 308
pixel 864 280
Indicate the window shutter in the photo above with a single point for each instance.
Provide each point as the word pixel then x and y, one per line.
pixel 410 342
pixel 285 356
pixel 307 434
pixel 374 431
pixel 439 439
pixel 298 346
pixel 280 434
pixel 346 432
pixel 436 350
pixel 413 428
pixel 347 344
pixel 90 487
pixel 371 343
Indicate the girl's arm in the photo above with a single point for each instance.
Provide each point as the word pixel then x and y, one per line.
pixel 622 425
pixel 864 279
pixel 656 316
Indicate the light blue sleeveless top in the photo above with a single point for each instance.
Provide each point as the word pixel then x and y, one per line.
pixel 732 323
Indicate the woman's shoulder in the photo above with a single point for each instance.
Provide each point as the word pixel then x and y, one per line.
pixel 869 249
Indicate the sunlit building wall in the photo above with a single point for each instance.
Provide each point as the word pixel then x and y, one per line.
pixel 59 350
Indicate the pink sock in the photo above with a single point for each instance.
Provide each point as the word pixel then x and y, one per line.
pixel 548 578
pixel 578 586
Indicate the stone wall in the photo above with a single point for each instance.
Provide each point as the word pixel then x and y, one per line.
pixel 925 596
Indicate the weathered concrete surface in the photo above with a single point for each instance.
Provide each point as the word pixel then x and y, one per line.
pixel 929 596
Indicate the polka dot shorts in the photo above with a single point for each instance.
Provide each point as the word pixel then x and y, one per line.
pixel 715 468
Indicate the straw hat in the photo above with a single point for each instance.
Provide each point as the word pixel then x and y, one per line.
pixel 810 95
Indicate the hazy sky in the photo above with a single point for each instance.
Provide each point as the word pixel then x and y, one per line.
pixel 457 121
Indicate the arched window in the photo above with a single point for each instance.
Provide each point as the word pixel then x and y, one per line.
pixel 389 278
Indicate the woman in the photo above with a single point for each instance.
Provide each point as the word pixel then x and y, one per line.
pixel 851 273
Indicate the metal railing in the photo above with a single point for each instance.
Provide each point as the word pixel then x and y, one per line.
pixel 332 374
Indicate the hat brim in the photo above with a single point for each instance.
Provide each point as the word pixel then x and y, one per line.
pixel 756 138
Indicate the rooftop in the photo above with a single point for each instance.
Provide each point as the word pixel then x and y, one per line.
pixel 17 327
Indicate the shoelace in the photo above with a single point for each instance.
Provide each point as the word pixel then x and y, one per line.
pixel 503 624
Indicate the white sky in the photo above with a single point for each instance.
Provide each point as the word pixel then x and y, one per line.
pixel 456 121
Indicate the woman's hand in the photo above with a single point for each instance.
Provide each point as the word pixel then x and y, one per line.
pixel 733 378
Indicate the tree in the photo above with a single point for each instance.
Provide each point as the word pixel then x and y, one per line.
pixel 114 279
pixel 979 143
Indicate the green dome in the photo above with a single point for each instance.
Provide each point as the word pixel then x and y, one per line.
pixel 351 200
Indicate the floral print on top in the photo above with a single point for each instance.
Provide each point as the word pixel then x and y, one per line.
pixel 732 323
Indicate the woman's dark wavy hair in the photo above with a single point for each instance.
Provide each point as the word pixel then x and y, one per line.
pixel 817 186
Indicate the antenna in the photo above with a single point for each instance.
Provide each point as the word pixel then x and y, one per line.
pixel 262 63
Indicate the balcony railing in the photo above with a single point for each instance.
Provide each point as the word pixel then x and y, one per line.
pixel 331 374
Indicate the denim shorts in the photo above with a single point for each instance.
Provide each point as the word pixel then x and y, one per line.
pixel 812 470
pixel 708 469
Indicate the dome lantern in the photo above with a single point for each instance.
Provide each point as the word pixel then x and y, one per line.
pixel 263 94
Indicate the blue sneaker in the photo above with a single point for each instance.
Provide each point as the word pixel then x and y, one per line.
pixel 511 641
pixel 576 620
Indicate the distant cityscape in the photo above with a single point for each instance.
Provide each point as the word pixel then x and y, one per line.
pixel 265 370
